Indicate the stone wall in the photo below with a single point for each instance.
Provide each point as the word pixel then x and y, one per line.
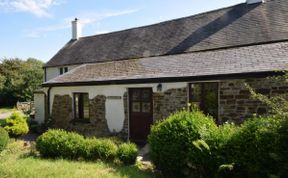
pixel 62 116
pixel 61 111
pixel 236 103
pixel 168 102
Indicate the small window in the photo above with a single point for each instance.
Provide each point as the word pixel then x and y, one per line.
pixel 205 95
pixel 81 106
pixel 63 70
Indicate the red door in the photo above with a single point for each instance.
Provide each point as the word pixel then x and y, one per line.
pixel 141 115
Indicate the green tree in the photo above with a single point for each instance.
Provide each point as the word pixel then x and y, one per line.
pixel 19 79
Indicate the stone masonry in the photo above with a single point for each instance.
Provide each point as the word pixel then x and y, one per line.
pixel 236 103
pixel 168 102
pixel 62 116
pixel 61 111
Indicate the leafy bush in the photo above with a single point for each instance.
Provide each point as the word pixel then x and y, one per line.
pixel 105 150
pixel 60 143
pixel 127 153
pixel 4 138
pixel 283 149
pixel 16 125
pixel 177 144
pixel 254 148
pixel 218 163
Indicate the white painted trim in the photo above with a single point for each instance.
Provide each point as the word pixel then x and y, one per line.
pixel 128 114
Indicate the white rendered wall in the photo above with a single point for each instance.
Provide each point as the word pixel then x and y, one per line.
pixel 53 72
pixel 39 103
pixel 114 106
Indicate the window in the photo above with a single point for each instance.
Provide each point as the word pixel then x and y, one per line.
pixel 205 95
pixel 81 106
pixel 63 70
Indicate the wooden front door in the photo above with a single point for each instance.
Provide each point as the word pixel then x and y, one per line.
pixel 141 113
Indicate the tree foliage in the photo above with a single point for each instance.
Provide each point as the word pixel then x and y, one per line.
pixel 19 79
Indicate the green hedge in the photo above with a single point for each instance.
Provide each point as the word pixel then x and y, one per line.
pixel 70 145
pixel 4 138
pixel 189 144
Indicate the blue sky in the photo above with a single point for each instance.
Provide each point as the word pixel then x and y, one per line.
pixel 39 28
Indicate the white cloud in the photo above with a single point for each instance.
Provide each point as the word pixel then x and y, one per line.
pixel 87 18
pixel 37 7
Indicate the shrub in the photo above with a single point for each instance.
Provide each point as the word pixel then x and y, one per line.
pixel 103 149
pixel 177 144
pixel 283 149
pixel 60 143
pixel 217 162
pixel 16 125
pixel 254 148
pixel 127 153
pixel 4 138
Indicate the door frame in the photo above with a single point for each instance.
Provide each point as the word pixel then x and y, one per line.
pixel 129 105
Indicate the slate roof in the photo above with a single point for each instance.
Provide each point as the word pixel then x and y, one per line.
pixel 239 60
pixel 239 25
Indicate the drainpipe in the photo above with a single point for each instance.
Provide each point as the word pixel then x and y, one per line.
pixel 48 103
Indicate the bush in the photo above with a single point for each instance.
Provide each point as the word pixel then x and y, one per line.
pixel 217 163
pixel 127 153
pixel 254 148
pixel 4 138
pixel 103 149
pixel 283 149
pixel 60 144
pixel 177 144
pixel 16 125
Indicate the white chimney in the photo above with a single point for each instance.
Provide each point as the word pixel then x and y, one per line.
pixel 76 29
pixel 254 1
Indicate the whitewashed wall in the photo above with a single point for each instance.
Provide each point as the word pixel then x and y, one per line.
pixel 114 107
pixel 53 72
pixel 39 103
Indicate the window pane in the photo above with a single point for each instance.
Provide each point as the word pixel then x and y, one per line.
pixel 61 70
pixel 195 93
pixel 86 106
pixel 65 69
pixel 135 106
pixel 210 99
pixel 205 95
pixel 146 107
pixel 76 101
pixel 146 94
pixel 135 94
pixel 81 103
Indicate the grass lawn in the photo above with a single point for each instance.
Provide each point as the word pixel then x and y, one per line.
pixel 18 161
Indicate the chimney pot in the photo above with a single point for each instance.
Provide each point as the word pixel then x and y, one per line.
pixel 254 1
pixel 76 29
